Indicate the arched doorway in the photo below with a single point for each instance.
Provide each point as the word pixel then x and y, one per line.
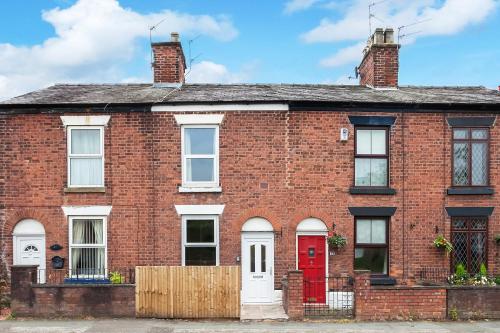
pixel 28 239
pixel 312 258
pixel 257 261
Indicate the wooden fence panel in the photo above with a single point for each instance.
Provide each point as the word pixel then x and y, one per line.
pixel 188 292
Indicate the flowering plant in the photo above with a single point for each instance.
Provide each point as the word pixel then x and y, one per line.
pixel 337 241
pixel 442 243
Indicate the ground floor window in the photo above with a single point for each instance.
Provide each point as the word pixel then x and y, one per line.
pixel 371 245
pixel 200 236
pixel 469 238
pixel 87 246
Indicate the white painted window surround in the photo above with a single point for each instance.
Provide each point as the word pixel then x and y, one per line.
pixel 85 150
pixel 199 209
pixel 200 152
pixel 86 210
pixel 101 120
pixel 199 119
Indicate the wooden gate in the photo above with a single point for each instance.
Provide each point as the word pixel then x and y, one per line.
pixel 188 292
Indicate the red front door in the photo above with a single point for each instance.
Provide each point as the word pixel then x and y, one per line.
pixel 312 262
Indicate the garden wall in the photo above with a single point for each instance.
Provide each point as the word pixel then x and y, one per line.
pixel 471 302
pixel 397 302
pixel 36 300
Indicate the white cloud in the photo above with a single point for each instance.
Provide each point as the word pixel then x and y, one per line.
pixel 298 5
pixel 344 56
pixel 94 41
pixel 210 72
pixel 439 18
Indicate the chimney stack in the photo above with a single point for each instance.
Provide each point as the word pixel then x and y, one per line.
pixel 380 65
pixel 169 63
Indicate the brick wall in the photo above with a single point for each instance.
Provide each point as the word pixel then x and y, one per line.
pixel 283 166
pixel 397 303
pixel 32 300
pixel 474 302
pixel 293 299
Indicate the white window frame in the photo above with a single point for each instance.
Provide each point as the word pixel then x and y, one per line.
pixel 104 237
pixel 70 155
pixel 200 186
pixel 215 244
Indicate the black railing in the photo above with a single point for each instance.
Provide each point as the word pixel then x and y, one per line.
pixel 87 276
pixel 434 275
pixel 331 296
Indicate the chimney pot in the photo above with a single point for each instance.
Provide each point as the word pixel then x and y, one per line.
pixel 389 36
pixel 174 37
pixel 378 36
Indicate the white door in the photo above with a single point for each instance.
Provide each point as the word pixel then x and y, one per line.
pixel 257 267
pixel 30 250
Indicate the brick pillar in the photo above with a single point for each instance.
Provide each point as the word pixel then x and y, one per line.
pixel 21 278
pixel 362 287
pixel 295 293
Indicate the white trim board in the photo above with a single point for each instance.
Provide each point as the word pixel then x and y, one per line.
pixel 86 210
pixel 199 209
pixel 219 107
pixel 85 120
pixel 199 119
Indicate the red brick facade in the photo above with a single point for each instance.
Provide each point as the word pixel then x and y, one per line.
pixel 284 166
pixel 169 63
pixel 293 297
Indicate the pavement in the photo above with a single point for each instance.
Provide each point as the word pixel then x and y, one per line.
pixel 262 312
pixel 179 326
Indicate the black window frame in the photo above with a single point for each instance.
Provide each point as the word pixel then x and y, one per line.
pixel 385 156
pixel 469 141
pixel 372 245
pixel 468 230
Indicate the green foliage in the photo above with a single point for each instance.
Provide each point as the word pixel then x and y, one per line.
pixel 482 270
pixel 497 280
pixel 116 278
pixel 461 272
pixel 442 243
pixel 463 278
pixel 337 241
pixel 453 314
pixel 497 239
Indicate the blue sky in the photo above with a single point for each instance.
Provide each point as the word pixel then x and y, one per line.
pixel 43 42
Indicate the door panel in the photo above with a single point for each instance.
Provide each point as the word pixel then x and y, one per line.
pixel 257 267
pixel 30 250
pixel 311 260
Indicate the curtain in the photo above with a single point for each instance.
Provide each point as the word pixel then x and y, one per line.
pixel 78 238
pixel 98 260
pixel 85 141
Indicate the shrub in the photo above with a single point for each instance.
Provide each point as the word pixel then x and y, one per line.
pixel 116 278
pixel 337 241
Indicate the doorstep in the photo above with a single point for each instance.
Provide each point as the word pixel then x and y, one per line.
pixel 256 312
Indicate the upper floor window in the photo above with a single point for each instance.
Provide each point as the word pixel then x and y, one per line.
pixel 86 156
pixel 470 156
pixel 371 156
pixel 200 155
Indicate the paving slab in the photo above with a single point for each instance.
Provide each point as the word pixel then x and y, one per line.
pixel 262 312
pixel 184 326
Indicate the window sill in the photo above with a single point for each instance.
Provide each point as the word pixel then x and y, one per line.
pixel 84 190
pixel 470 191
pixel 185 189
pixel 367 190
pixel 382 281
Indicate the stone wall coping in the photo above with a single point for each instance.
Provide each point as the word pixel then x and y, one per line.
pixel 452 287
pixel 86 285
pixel 416 287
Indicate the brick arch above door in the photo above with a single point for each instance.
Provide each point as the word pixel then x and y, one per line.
pixel 256 212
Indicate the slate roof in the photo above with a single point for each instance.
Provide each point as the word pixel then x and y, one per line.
pixel 250 93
